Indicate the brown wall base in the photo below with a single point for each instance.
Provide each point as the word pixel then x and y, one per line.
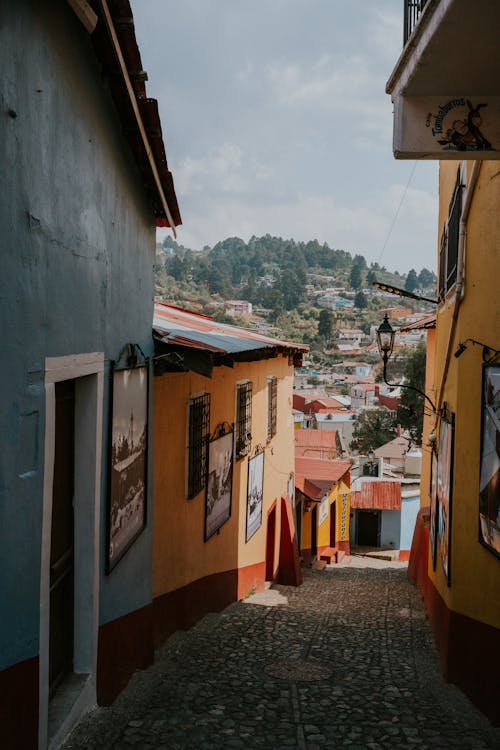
pixel 124 645
pixel 19 706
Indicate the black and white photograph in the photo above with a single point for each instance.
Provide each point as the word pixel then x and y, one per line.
pixel 255 493
pixel 219 483
pixel 127 495
pixel 489 484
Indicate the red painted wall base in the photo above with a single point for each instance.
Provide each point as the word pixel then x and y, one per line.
pixel 468 648
pixel 19 706
pixel 124 645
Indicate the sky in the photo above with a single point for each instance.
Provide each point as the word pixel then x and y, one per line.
pixel 275 120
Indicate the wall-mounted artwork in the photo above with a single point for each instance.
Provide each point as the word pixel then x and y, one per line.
pixel 433 524
pixel 128 460
pixel 489 483
pixel 255 492
pixel 444 491
pixel 219 483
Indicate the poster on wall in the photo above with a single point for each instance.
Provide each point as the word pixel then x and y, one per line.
pixel 219 483
pixel 433 523
pixel 489 483
pixel 324 510
pixel 255 492
pixel 444 489
pixel 128 460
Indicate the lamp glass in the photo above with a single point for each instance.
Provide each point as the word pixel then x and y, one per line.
pixel 385 338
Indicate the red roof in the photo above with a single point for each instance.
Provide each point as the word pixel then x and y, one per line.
pixel 321 469
pixel 315 438
pixel 379 495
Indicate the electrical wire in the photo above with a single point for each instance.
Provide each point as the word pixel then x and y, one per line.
pixel 397 212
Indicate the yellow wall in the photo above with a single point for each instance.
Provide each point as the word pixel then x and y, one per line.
pixel 323 535
pixel 475 571
pixel 180 555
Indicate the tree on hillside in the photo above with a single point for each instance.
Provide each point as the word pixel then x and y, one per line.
pixel 325 326
pixel 411 282
pixel 371 276
pixel 373 428
pixel 360 301
pixel 426 278
pixel 355 279
pixel 411 406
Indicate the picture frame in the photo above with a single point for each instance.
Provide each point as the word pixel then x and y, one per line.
pixel 255 494
pixel 434 509
pixel 219 487
pixel 444 492
pixel 128 458
pixel 489 477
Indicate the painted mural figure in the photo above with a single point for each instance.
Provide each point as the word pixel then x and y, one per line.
pixel 466 135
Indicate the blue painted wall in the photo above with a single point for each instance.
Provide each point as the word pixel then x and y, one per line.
pixel 409 511
pixel 390 528
pixel 78 244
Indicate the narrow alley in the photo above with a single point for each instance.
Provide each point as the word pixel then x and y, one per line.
pixel 344 661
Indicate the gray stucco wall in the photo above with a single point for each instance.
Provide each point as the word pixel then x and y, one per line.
pixel 77 251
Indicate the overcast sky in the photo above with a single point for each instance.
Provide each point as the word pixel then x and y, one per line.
pixel 275 120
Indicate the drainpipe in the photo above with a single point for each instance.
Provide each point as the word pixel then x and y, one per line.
pixel 460 283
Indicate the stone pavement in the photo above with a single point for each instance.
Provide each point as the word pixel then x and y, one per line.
pixel 345 661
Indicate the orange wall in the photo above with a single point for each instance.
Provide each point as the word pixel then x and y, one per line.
pixel 180 554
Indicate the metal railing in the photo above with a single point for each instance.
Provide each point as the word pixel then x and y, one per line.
pixel 413 11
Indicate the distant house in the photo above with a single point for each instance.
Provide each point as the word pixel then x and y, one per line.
pixel 342 421
pixel 363 395
pixel 322 507
pixel 238 307
pixel 384 512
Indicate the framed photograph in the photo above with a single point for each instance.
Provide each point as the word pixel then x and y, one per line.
pixel 489 481
pixel 219 483
pixel 444 492
pixel 255 493
pixel 128 460
pixel 434 512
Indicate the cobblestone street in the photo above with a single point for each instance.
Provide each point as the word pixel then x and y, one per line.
pixel 345 661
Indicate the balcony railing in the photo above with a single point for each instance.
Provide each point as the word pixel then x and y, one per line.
pixel 413 11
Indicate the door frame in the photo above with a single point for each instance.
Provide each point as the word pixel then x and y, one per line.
pixel 270 541
pixel 88 372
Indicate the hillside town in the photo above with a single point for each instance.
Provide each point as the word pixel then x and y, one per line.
pixel 249 493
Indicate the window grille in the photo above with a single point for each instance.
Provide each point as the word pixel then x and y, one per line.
pixel 199 434
pixel 243 418
pixel 272 406
pixel 448 252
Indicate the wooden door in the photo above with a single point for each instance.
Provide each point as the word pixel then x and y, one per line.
pixel 368 528
pixel 314 531
pixel 62 539
pixel 333 524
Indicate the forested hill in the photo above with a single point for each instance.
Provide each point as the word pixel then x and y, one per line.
pixel 272 271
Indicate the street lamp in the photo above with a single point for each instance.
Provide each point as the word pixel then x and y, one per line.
pixel 385 340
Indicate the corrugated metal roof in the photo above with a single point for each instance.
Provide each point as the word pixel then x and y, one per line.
pixel 178 327
pixel 426 321
pixel 376 494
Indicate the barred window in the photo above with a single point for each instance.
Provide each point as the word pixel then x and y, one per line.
pixel 243 418
pixel 272 406
pixel 448 253
pixel 199 434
